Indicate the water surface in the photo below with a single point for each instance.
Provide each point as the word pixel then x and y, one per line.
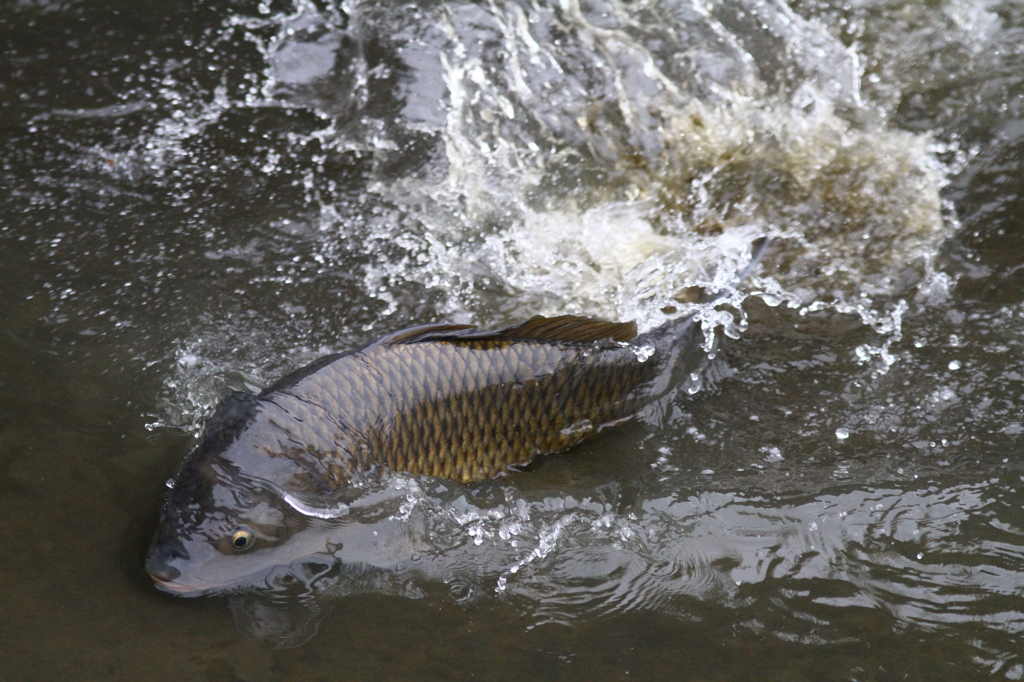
pixel 199 199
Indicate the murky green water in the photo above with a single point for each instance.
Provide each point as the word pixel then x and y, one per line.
pixel 198 199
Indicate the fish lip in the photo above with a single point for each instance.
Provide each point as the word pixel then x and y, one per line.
pixel 179 589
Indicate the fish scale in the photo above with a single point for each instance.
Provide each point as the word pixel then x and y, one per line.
pixel 476 402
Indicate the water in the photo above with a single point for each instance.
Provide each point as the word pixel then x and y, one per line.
pixel 198 200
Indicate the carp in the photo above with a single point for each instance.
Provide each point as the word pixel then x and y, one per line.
pixel 444 400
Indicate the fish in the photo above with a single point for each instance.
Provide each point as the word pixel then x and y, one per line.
pixel 444 400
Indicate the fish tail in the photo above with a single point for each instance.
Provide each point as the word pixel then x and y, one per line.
pixel 760 246
pixel 680 344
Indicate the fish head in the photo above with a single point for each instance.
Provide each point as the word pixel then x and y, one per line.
pixel 237 508
pixel 221 522
pixel 223 525
pixel 219 530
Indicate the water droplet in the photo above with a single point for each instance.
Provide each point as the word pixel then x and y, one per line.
pixel 643 353
pixel 708 472
pixel 920 555
pixel 842 434
pixel 813 525
pixel 954 365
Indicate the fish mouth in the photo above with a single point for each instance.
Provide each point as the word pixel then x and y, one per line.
pixel 168 579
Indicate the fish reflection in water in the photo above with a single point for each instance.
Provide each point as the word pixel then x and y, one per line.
pixel 278 474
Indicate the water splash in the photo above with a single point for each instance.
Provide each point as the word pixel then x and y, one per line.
pixel 599 173
pixel 618 161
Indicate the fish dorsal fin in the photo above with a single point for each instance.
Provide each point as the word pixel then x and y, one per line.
pixel 565 328
pixel 571 329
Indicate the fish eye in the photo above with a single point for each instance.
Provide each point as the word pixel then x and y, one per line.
pixel 242 539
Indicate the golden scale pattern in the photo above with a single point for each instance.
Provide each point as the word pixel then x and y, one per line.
pixel 465 410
